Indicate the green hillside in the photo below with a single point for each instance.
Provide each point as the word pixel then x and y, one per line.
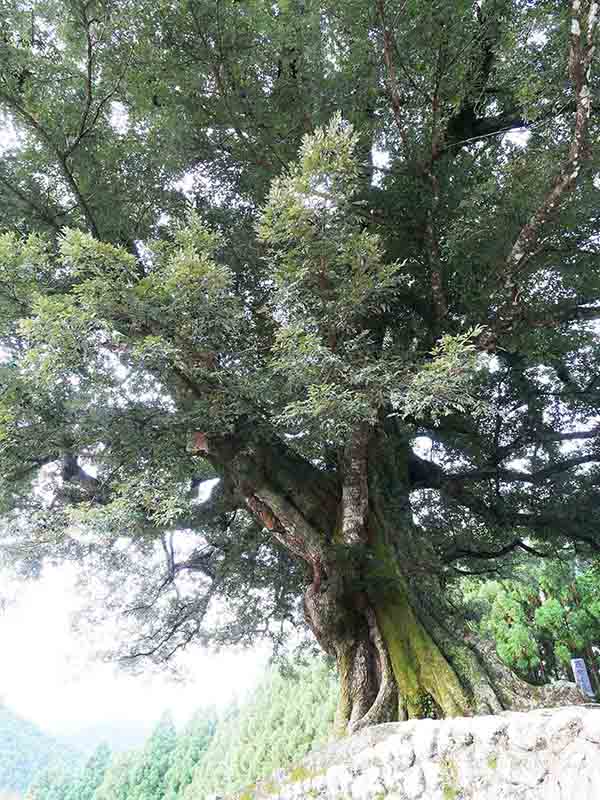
pixel 25 750
pixel 280 721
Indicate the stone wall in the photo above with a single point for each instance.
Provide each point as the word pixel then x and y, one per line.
pixel 550 754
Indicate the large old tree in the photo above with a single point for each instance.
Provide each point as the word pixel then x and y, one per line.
pixel 299 246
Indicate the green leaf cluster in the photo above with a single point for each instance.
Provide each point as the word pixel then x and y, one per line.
pixel 543 617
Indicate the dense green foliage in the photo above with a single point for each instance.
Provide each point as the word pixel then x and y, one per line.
pixel 25 751
pixel 60 784
pixel 190 750
pixel 149 775
pixel 285 718
pixel 278 724
pixel 542 617
pixel 294 247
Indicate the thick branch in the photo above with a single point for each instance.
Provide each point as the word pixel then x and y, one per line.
pixel 355 497
pixel 580 60
pixel 73 474
pixel 286 494
pixel 483 127
pixel 559 314
pixel 509 475
pixel 428 475
pixel 392 79
pixel 458 553
pixel 570 527
pixel 568 437
pixel 284 524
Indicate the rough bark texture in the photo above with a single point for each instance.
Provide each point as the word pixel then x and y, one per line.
pixel 374 603
pixel 401 652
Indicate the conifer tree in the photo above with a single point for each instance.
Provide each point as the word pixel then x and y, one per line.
pixel 91 776
pixel 543 616
pixel 293 247
pixel 283 719
pixel 148 779
pixel 117 781
pixel 189 750
pixel 60 784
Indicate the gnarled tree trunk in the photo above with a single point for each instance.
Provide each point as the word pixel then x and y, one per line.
pixel 402 652
pixel 375 603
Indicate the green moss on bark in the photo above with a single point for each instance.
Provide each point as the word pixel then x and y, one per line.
pixel 420 668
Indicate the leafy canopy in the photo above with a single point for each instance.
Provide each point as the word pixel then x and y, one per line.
pixel 235 232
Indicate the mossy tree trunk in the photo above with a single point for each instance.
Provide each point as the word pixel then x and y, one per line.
pixel 375 602
pixel 377 608
pixel 402 651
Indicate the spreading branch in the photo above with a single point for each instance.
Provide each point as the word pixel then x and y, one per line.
pixel 391 76
pixel 510 475
pixel 355 496
pixel 428 475
pixel 458 553
pixel 525 246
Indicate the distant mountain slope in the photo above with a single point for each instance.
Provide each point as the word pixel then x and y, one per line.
pixel 278 724
pixel 25 750
pixel 120 735
pixel 283 718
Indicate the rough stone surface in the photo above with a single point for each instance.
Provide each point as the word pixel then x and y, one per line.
pixel 549 754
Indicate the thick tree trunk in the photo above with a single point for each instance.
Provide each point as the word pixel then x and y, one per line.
pixel 397 658
pixel 376 607
pixel 375 602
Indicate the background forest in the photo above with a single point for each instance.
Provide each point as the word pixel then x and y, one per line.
pixel 539 616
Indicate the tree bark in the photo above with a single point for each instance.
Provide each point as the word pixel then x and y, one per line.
pixel 375 602
pixel 379 610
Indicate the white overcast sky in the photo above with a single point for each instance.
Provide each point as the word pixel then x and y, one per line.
pixel 48 674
